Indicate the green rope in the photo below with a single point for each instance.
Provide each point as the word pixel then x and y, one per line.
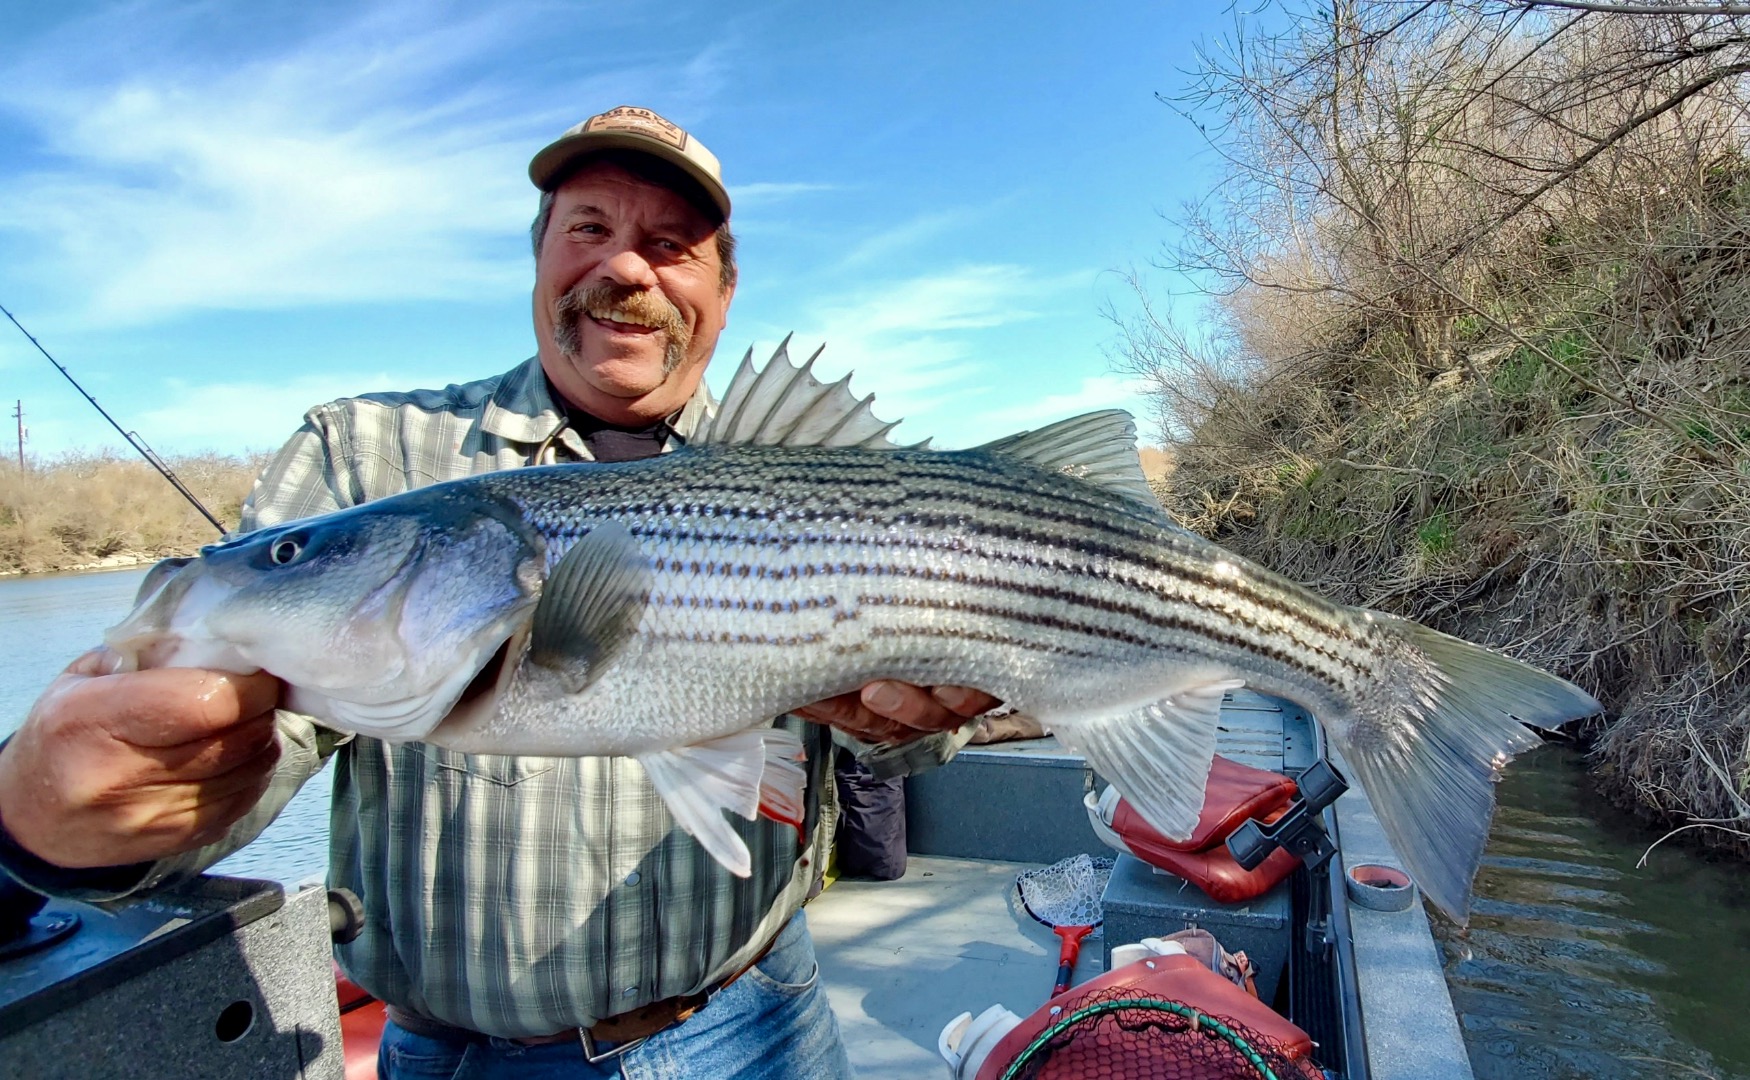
pixel 1198 1019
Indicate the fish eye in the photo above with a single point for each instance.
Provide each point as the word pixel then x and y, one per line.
pixel 285 550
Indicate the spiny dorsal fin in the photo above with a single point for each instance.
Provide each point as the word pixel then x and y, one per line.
pixel 785 405
pixel 1099 447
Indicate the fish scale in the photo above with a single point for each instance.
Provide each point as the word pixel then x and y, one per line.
pixel 987 559
pixel 669 609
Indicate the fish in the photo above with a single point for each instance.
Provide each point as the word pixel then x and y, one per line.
pixel 669 609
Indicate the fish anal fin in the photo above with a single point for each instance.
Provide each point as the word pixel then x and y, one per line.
pixel 590 606
pixel 1157 756
pixel 783 782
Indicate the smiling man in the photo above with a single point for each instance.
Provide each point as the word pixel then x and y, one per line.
pixel 525 916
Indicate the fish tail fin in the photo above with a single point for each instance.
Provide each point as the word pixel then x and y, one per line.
pixel 1429 740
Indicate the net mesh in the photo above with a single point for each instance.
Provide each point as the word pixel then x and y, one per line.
pixel 1113 1034
pixel 1066 893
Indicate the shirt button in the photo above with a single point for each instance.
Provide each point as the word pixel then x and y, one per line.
pixel 632 878
pixel 629 991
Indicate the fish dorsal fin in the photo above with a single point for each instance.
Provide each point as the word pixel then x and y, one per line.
pixel 1099 447
pixel 590 606
pixel 783 404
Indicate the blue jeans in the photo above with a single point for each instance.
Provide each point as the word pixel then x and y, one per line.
pixel 773 1023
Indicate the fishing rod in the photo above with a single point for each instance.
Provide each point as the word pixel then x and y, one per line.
pixel 132 437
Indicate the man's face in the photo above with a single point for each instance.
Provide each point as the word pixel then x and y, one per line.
pixel 629 299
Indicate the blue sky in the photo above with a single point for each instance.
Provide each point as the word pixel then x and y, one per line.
pixel 217 215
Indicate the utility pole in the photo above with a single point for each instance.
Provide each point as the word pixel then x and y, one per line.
pixel 18 414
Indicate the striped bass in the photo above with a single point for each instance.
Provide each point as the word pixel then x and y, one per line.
pixel 668 609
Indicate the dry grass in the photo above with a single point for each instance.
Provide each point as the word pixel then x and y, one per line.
pixel 81 508
pixel 1535 435
pixel 1157 462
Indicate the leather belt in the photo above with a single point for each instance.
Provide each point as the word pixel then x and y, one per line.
pixel 602 1041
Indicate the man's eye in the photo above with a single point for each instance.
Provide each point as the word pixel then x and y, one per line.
pixel 588 228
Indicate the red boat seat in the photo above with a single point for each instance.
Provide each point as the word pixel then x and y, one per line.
pixel 1234 794
pixel 361 1027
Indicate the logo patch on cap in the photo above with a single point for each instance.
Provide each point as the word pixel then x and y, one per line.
pixel 642 121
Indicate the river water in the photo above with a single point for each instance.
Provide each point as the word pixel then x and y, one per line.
pixel 1577 965
pixel 47 620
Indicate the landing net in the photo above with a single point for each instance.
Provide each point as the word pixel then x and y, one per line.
pixel 1115 1034
pixel 1066 893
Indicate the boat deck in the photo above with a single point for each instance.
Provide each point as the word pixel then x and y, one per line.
pixel 900 959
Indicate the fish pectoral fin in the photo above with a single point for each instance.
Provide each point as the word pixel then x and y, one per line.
pixel 1158 756
pixel 744 772
pixel 590 606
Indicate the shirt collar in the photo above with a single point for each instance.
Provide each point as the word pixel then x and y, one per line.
pixel 521 409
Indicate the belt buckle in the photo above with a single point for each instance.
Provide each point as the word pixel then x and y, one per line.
pixel 596 1056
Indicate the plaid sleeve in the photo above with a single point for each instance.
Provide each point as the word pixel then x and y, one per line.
pixel 305 478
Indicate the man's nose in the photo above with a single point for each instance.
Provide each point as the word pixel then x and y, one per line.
pixel 627 267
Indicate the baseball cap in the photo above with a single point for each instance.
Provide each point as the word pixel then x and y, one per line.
pixel 627 127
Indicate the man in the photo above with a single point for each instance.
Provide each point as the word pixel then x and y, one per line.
pixel 536 916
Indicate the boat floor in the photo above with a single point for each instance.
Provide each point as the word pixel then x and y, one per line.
pixel 899 959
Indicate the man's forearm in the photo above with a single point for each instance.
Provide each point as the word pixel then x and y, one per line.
pixel 304 749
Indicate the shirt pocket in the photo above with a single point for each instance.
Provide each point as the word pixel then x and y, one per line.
pixel 500 770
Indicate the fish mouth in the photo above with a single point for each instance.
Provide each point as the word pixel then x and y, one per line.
pixel 157 633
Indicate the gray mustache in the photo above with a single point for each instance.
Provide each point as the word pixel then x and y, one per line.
pixel 648 307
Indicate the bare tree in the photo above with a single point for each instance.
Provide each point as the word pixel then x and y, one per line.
pixel 1475 339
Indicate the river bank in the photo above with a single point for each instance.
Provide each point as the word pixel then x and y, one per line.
pixel 121 560
pixel 99 512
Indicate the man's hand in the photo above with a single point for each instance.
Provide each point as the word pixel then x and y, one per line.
pixel 111 769
pixel 896 712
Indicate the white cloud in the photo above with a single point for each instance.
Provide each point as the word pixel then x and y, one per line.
pixel 250 416
pixel 224 417
pixel 892 240
pixel 371 162
pixel 766 192
pixel 1095 392
pixel 918 340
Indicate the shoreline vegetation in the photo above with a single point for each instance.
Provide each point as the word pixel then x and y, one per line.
pixel 1475 350
pixel 103 512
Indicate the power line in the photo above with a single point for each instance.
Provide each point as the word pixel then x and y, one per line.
pixel 133 438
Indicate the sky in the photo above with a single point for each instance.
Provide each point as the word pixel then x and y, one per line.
pixel 218 215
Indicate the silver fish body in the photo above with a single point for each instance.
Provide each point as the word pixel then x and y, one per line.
pixel 667 609
pixel 783 576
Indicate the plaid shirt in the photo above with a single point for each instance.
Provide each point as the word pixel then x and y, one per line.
pixel 510 895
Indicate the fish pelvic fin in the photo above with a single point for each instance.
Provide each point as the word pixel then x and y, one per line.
pixel 1430 739
pixel 1158 756
pixel 783 404
pixel 747 773
pixel 590 606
